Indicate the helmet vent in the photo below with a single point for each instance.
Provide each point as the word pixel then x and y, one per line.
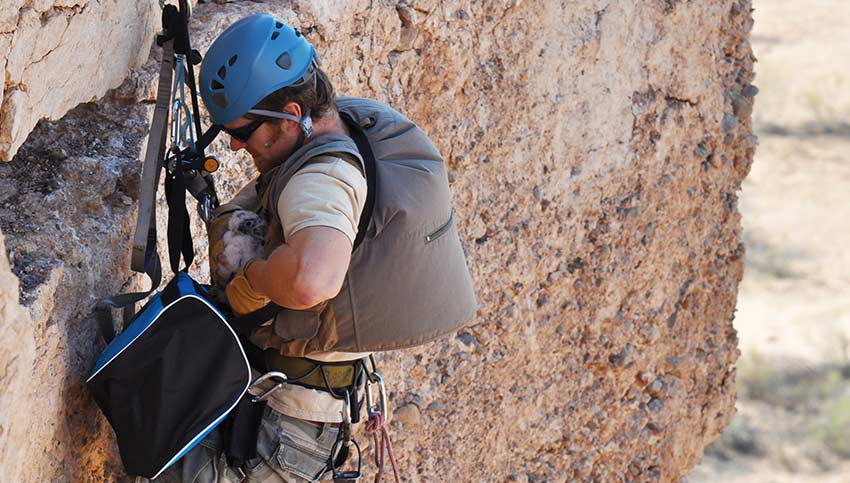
pixel 222 73
pixel 216 85
pixel 275 35
pixel 284 61
pixel 278 25
pixel 232 60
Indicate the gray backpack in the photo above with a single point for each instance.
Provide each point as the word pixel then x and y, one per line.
pixel 408 282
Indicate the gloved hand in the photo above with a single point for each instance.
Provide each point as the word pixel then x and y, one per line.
pixel 241 297
pixel 215 232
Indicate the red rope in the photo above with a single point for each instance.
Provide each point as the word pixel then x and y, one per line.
pixel 378 427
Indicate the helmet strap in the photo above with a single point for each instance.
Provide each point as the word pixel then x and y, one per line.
pixel 305 122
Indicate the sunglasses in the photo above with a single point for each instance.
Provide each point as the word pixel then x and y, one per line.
pixel 243 133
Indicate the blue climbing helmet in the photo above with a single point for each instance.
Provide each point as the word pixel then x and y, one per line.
pixel 253 58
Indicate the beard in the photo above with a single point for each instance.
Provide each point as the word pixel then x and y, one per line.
pixel 272 156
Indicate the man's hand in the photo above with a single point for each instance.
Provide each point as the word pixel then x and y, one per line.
pixel 243 299
pixel 215 233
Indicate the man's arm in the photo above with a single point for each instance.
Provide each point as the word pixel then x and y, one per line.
pixel 307 270
pixel 319 211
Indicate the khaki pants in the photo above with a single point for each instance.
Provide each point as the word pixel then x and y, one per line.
pixel 289 450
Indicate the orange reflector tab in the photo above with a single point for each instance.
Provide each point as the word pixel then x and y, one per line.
pixel 210 164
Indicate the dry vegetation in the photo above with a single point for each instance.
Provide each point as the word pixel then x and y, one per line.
pixel 793 422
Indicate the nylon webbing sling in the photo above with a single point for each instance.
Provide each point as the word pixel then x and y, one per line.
pixel 174 40
pixel 154 155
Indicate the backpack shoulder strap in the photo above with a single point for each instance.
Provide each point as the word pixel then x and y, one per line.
pixel 371 174
pixel 347 157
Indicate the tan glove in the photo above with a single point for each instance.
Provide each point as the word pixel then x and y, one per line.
pixel 215 233
pixel 241 296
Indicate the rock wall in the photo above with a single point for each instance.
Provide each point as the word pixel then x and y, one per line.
pixel 58 53
pixel 595 151
pixel 17 360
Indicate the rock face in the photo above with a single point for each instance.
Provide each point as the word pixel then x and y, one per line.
pixel 58 53
pixel 17 360
pixel 595 150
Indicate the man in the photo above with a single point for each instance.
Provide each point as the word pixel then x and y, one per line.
pixel 356 263
pixel 318 213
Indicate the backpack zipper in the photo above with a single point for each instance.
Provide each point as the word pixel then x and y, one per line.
pixel 440 231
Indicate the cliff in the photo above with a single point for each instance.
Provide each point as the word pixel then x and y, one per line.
pixel 595 152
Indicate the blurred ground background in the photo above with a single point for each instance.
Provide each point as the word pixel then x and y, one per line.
pixel 793 318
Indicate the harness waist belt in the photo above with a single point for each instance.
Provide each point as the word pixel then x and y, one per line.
pixel 307 372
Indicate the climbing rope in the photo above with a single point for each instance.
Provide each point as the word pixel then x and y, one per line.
pixel 377 426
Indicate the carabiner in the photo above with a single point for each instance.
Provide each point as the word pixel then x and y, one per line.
pixel 345 476
pixel 205 209
pixel 176 121
pixel 274 388
pixel 346 409
pixel 182 129
pixel 382 403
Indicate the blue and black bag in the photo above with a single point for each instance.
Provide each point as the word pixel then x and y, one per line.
pixel 171 377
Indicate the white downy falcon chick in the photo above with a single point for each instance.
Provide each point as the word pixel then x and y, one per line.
pixel 243 241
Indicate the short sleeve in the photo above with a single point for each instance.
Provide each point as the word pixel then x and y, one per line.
pixel 326 193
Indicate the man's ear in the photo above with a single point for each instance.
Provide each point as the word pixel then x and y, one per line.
pixel 292 108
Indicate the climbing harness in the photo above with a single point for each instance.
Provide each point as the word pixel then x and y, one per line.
pixel 362 384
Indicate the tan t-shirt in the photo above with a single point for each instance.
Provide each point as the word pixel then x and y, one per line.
pixel 325 193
